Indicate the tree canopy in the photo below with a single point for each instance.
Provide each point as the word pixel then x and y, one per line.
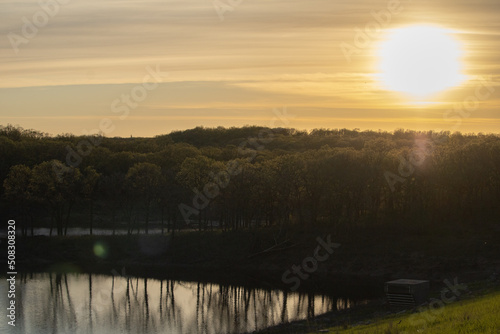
pixel 235 178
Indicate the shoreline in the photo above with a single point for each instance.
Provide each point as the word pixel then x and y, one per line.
pixel 360 264
pixel 252 254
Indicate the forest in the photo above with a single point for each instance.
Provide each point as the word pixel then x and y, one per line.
pixel 250 177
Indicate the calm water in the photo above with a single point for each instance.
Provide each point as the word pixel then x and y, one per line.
pixel 83 303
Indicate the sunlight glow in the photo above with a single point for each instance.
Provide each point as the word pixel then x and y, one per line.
pixel 420 61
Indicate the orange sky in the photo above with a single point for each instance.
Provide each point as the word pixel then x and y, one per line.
pixel 70 65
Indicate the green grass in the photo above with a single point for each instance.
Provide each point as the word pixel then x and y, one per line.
pixel 478 315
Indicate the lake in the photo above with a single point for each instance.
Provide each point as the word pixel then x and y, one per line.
pixel 112 304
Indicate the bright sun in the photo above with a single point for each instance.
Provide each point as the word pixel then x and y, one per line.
pixel 420 61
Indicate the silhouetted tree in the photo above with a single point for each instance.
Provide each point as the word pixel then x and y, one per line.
pixel 145 180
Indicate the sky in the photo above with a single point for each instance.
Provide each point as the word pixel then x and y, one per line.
pixel 145 68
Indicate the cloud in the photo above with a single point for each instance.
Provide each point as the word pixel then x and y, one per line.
pixel 264 54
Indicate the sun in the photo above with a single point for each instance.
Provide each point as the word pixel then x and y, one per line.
pixel 420 61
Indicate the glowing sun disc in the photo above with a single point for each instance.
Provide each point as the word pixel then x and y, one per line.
pixel 420 60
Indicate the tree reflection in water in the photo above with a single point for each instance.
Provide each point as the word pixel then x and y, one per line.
pixel 89 303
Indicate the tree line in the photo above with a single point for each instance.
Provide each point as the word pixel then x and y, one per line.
pixel 233 178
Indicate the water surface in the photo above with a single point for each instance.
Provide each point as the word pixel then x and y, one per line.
pixel 89 303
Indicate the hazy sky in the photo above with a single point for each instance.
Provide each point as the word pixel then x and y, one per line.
pixel 68 66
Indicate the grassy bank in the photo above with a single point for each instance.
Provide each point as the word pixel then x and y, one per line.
pixel 479 315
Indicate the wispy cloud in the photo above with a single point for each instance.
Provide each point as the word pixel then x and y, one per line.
pixel 264 54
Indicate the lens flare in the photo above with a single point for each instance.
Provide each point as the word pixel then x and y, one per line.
pixel 101 250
